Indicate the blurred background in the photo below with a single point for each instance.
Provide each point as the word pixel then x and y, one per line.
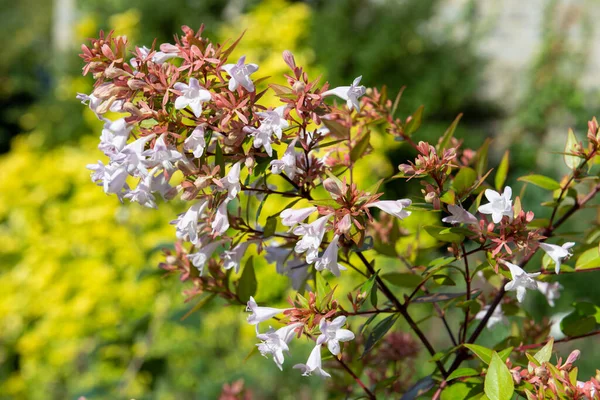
pixel 84 310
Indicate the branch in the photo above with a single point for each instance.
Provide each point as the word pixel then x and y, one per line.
pixel 567 339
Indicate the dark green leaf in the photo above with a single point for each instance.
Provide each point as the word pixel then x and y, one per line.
pixel 502 172
pixel 247 283
pixel 360 147
pixel 403 279
pixel 482 158
pixel 270 226
pixel 464 179
pixel 443 234
pixel 415 122
pixel 336 129
pixel 437 297
pixel 445 142
pixel 379 331
pixel 422 386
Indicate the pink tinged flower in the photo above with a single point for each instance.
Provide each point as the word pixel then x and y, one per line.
pixel 350 94
pixel 160 184
pixel 312 236
pixel 192 95
pixel 393 207
pixel 558 254
pixel 98 171
pixel 291 218
pixel 276 342
pixel 329 259
pixel 332 333
pixel 231 182
pixel 260 314
pixel 142 193
pixel 232 258
pixel 262 138
pixel 204 253
pixel 196 142
pixel 521 281
pixel 168 51
pixel 240 74
pixel 132 157
pixel 114 181
pixel 459 216
pixel 91 101
pixel 345 224
pixel 314 364
pixel 163 155
pixel 287 164
pixel 550 290
pixel 273 121
pixel 187 222
pixel 114 136
pixel 221 221
pixel 496 317
pixel 499 204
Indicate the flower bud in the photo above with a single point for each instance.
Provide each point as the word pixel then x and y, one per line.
pixel 136 84
pixel 298 87
pixel 334 188
pixel 345 224
pixel 288 57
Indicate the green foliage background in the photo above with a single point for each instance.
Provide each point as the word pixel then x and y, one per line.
pixel 84 310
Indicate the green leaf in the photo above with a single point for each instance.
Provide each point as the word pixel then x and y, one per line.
pixel 444 234
pixel 360 147
pixel 444 143
pixel 483 353
pixel 403 279
pixel 415 122
pixel 577 323
pixel 545 352
pixel 437 297
pixel 570 147
pixel 461 373
pixel 247 283
pixel 219 159
pixel 499 383
pixel 505 353
pixel 379 331
pixel 470 389
pixel 367 289
pixel 336 129
pixel 422 386
pixel 502 172
pixel 588 259
pixel 322 287
pixel 199 305
pixel 542 181
pixel 270 226
pixel 464 179
pixel 482 158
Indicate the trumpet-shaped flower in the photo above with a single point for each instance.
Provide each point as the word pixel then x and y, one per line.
pixel 499 204
pixel 233 257
pixel 350 94
pixel 550 290
pixel 196 142
pixel 98 171
pixel 459 216
pixel 260 314
pixel 329 259
pixel 312 236
pixel 240 74
pixel 204 253
pixel 287 163
pixel 221 222
pixel 114 136
pixel 521 281
pixel 393 207
pixel 273 121
pixel 332 333
pixel 275 342
pixel 187 222
pixel 291 218
pixel 192 95
pixel 558 254
pixel 161 154
pixel 115 180
pixel 231 181
pixel 496 317
pixel 142 193
pixel 314 364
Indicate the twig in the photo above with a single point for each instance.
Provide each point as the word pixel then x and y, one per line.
pixel 356 378
pixel 567 339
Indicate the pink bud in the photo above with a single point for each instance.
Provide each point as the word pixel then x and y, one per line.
pixel 288 57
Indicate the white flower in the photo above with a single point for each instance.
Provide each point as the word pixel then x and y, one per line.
pixel 521 281
pixel 141 194
pixel 221 222
pixel 160 185
pixel 329 258
pixel 499 204
pixel 558 254
pixel 91 101
pixel 262 138
pixel 196 142
pixel 240 74
pixel 231 182
pixel 161 154
pixel 287 163
pixel 291 218
pixel 313 365
pixel 459 216
pixel 276 342
pixel 273 121
pixel 114 136
pixel 550 290
pixel 115 180
pixel 192 95
pixel 98 171
pixel 204 254
pixel 349 93
pixel 233 257
pixel 131 156
pixel 332 333
pixel 496 317
pixel 187 222
pixel 260 314
pixel 393 207
pixel 312 236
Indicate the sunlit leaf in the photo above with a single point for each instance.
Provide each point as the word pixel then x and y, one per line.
pixel 499 383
